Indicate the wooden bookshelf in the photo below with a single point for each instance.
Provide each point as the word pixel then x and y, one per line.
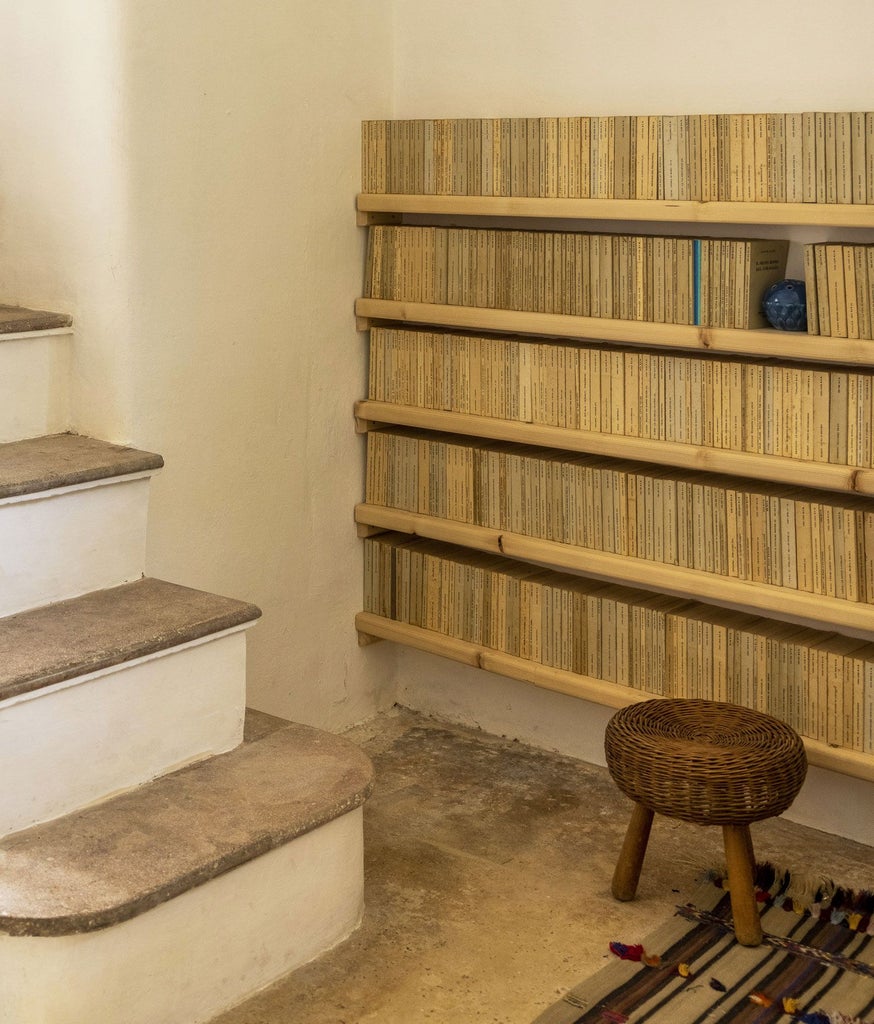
pixel 818 611
pixel 853 619
pixel 370 626
pixel 372 208
pixel 774 468
pixel 763 344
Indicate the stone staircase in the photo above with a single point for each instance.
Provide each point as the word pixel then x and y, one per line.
pixel 156 865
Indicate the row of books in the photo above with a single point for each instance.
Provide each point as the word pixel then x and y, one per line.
pixel 820 683
pixel 799 411
pixel 839 284
pixel 708 281
pixel 804 540
pixel 808 157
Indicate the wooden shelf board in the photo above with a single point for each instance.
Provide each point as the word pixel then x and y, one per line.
pixel 760 343
pixel 773 468
pixel 821 612
pixel 847 762
pixel 656 210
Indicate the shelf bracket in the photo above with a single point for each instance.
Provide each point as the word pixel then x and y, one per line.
pixel 366 639
pixel 364 530
pixel 364 218
pixel 364 426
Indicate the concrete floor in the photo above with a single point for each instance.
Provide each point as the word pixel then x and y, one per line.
pixel 488 867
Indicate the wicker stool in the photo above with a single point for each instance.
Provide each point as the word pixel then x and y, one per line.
pixel 711 764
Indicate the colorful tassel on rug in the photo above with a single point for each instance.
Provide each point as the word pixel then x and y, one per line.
pixel 638 954
pixel 790 1008
pixel 816 896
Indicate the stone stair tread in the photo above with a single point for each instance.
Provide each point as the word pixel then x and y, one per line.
pixel 110 862
pixel 19 320
pixel 62 460
pixel 59 641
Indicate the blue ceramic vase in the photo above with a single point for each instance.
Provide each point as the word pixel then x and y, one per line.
pixel 785 306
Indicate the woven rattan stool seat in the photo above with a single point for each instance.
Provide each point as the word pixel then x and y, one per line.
pixel 708 763
pixel 703 761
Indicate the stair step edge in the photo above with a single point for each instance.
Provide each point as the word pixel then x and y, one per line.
pixel 107 628
pixel 20 320
pixel 111 862
pixel 39 464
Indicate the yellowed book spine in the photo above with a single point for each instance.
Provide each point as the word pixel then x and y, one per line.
pixel 804 414
pixel 518 157
pixel 859 148
pixel 549 157
pixel 843 157
pixel 821 151
pixel 838 413
pixel 808 157
pixel 831 156
pixel 574 158
pixel 794 133
pixel 502 158
pixel 417 138
pixel 760 158
pixel 850 292
pixel 864 412
pixel 653 187
pixel 670 156
pixel 823 289
pixel 640 135
pixel 605 158
pixel 695 157
pixel 810 286
pixel 488 127
pixel 368 156
pixel 804 552
pixel 709 159
pixel 533 186
pixel 869 155
pixel 837 296
pixel 622 157
pixel 860 274
pixel 821 415
pixel 869 290
pixel 684 175
pixel 564 158
pixel 748 144
pixel 736 157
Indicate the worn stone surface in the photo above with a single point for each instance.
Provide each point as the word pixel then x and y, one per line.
pixel 19 320
pixel 61 460
pixel 108 627
pixel 488 868
pixel 113 861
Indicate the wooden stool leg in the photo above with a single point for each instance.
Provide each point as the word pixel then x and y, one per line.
pixel 740 862
pixel 627 873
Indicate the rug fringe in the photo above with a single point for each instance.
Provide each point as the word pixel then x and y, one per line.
pixel 809 894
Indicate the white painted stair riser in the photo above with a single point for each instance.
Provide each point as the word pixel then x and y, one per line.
pixel 189 959
pixel 35 371
pixel 64 543
pixel 83 740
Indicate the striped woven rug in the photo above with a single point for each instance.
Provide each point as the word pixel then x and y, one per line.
pixel 816 965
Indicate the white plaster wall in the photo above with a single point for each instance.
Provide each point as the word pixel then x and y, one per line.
pixel 561 57
pixel 565 57
pixel 243 168
pixel 181 178
pixel 63 218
